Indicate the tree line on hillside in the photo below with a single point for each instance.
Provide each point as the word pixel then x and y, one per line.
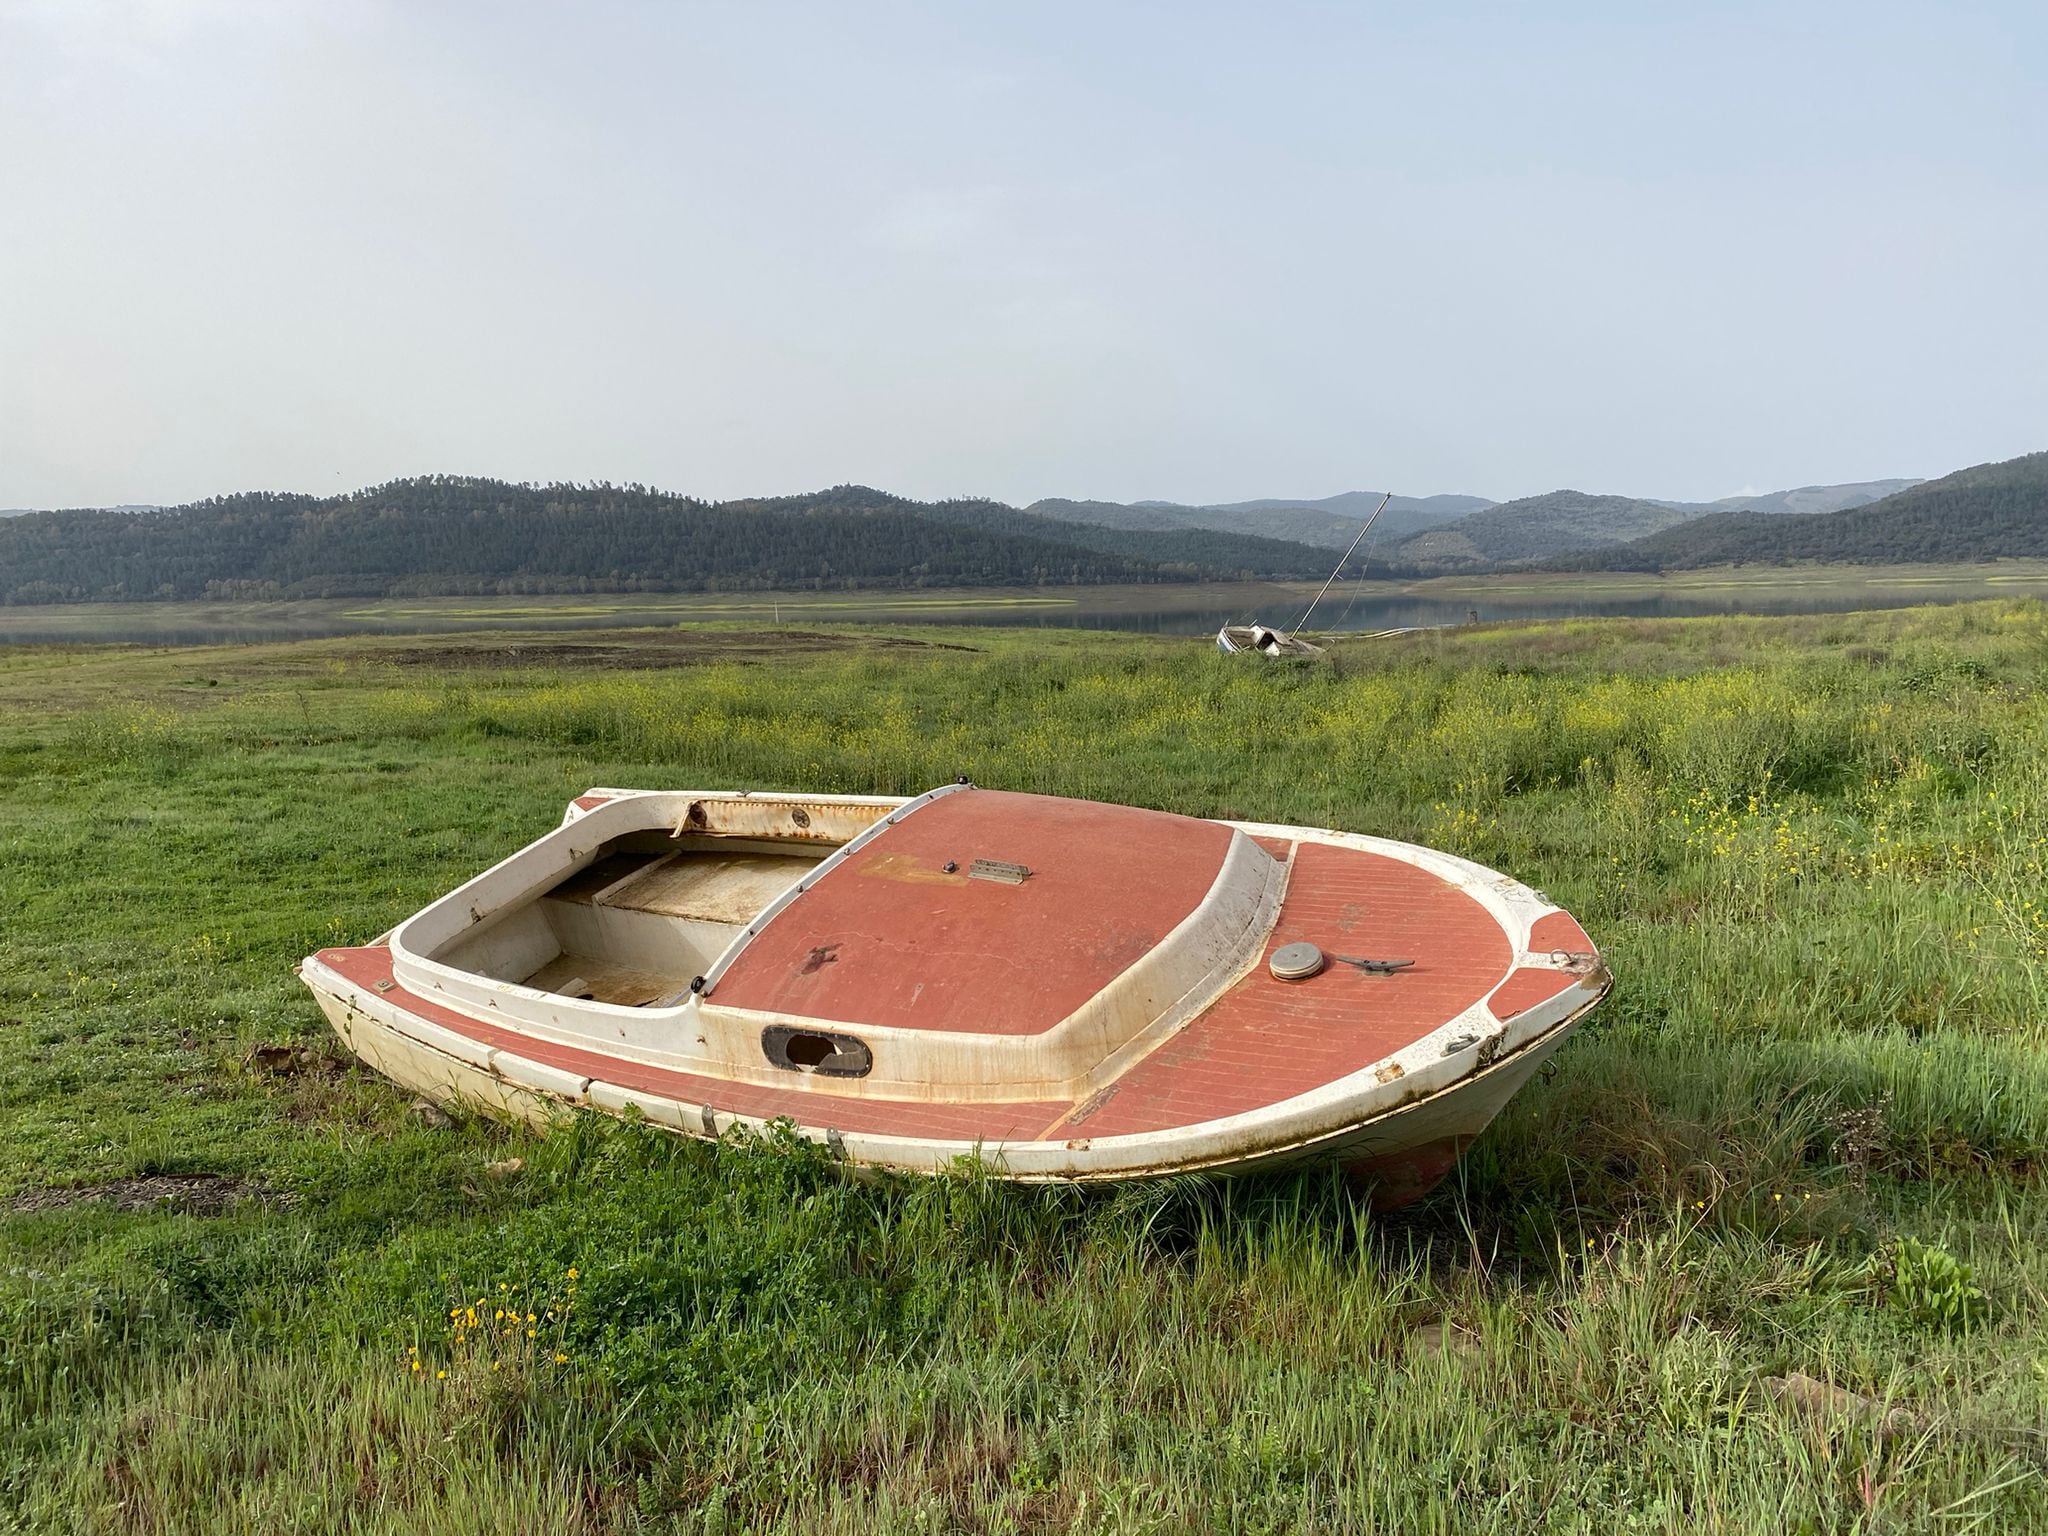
pixel 1988 512
pixel 455 535
pixel 1193 549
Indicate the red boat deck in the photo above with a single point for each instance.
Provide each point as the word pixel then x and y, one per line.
pixel 899 936
pixel 1266 1040
pixel 1262 1042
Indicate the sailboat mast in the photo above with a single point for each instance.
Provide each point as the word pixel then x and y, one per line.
pixel 1376 511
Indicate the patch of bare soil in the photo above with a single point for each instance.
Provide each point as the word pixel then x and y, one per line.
pixel 643 652
pixel 195 1194
pixel 291 1061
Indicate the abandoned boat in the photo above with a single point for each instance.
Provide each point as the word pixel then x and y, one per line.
pixel 1232 639
pixel 1286 645
pixel 1066 989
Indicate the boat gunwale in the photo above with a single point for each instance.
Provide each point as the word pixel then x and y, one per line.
pixel 1301 1125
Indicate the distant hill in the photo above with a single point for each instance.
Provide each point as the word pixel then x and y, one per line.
pixel 1536 527
pixel 1331 523
pixel 1540 527
pixel 1806 499
pixel 128 506
pixel 1360 504
pixel 1987 512
pixel 1299 525
pixel 457 535
pixel 1214 550
pixel 1153 515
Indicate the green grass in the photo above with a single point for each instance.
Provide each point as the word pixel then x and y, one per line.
pixel 1806 1133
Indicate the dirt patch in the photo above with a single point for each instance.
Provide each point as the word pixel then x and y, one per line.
pixel 271 1060
pixel 194 1194
pixel 647 652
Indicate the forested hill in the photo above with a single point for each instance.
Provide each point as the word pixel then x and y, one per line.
pixel 1206 549
pixel 456 535
pixel 1988 512
pixel 1332 523
pixel 1805 498
pixel 1536 526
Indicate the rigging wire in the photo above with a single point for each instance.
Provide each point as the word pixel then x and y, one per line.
pixel 1376 511
pixel 1357 589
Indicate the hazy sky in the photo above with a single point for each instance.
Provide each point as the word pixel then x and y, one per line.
pixel 1189 251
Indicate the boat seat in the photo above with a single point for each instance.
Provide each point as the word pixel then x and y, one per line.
pixel 711 888
pixel 588 883
pixel 599 980
pixel 704 887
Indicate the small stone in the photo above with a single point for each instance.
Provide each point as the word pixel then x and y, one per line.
pixel 507 1168
pixel 428 1113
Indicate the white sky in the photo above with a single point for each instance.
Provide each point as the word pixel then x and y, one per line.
pixel 1199 252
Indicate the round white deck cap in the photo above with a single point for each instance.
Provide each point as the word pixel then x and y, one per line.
pixel 1295 962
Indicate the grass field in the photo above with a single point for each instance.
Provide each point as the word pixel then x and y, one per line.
pixel 244 1288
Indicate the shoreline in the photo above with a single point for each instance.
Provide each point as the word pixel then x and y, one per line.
pixel 1172 608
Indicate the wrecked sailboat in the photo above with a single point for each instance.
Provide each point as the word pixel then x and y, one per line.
pixel 1277 643
pixel 1287 645
pixel 1067 990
